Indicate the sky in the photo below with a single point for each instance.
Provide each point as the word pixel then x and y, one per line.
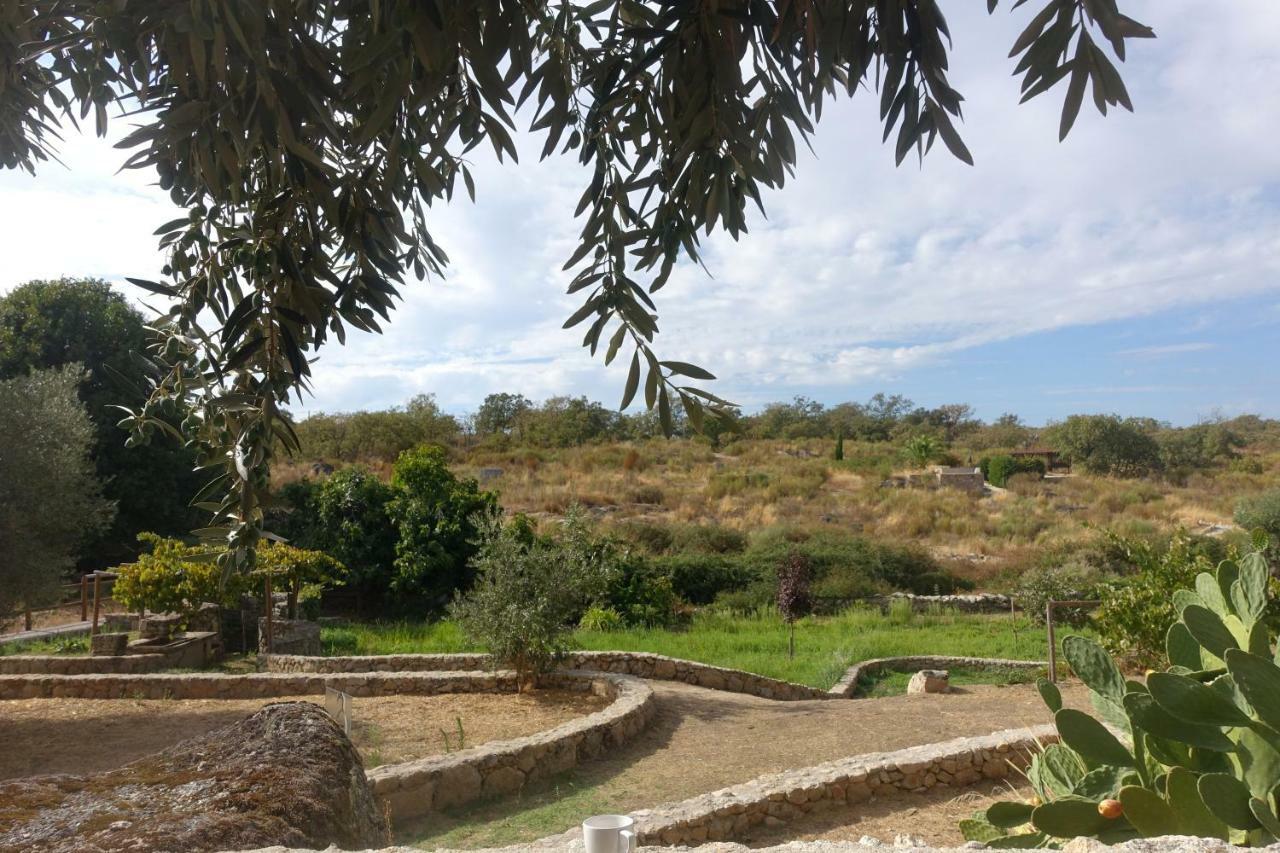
pixel 1134 268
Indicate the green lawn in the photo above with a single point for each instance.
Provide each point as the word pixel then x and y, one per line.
pixel 70 645
pixel 825 645
pixel 895 683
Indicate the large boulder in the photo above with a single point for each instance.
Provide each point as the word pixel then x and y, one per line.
pixel 287 775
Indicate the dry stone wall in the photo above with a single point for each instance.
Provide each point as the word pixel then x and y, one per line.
pixel 731 813
pixel 978 602
pixel 80 665
pixel 417 788
pixel 639 664
pixel 848 684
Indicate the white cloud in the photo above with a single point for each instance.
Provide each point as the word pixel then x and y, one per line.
pixel 862 274
pixel 1166 349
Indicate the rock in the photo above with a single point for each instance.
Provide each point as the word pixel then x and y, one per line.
pixel 929 681
pixel 287 775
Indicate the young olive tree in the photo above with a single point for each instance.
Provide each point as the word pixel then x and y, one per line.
pixel 524 602
pixel 307 140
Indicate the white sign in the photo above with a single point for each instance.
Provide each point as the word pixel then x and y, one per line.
pixel 338 706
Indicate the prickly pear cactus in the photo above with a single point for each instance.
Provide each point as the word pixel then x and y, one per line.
pixel 1194 750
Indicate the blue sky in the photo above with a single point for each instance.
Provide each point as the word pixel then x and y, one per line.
pixel 1134 268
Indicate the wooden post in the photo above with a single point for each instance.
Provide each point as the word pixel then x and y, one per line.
pixel 1053 646
pixel 97 602
pixel 84 598
pixel 270 613
pixel 26 616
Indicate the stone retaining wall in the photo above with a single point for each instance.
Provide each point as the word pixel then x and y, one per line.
pixel 978 602
pixel 848 684
pixel 731 813
pixel 414 788
pixel 80 664
pixel 639 664
pixel 418 788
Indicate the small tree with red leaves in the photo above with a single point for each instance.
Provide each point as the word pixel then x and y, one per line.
pixel 793 596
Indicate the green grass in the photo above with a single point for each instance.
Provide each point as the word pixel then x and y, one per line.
pixel 71 645
pixel 825 645
pixel 895 683
pixel 559 803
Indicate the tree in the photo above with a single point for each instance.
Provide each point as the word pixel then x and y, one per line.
pixel 1106 444
pixel 435 516
pixel 174 577
pixel 524 601
pixel 793 598
pixel 50 500
pixel 839 454
pixel 298 571
pixel 352 523
pixel 46 324
pixel 500 413
pixel 305 142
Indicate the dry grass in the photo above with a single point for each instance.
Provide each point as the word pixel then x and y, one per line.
pixel 750 485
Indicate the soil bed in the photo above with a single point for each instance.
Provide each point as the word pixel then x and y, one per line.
pixel 933 816
pixel 81 736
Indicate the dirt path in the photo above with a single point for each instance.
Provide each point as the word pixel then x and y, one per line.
pixel 80 736
pixel 703 740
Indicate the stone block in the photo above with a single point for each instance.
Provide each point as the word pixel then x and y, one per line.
pixel 290 637
pixel 112 645
pixel 929 681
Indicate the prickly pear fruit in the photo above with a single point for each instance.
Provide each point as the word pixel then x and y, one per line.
pixel 1110 809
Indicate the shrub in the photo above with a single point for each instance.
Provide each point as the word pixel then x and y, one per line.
pixel 649 538
pixel 174 577
pixel 700 578
pixel 600 619
pixel 646 495
pixel 710 539
pixel 434 513
pixel 1262 512
pixel 839 454
pixel 523 602
pixel 998 469
pixel 1040 585
pixel 351 523
pixel 921 449
pixel 641 593
pixel 1199 755
pixel 726 483
pixel 1137 610
pixel 298 570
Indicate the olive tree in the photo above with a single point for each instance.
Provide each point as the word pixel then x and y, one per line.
pixel 50 500
pixel 306 141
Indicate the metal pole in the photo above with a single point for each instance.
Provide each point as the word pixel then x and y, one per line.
pixel 84 598
pixel 1053 646
pixel 97 591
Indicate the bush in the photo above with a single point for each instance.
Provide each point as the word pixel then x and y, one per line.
pixel 434 513
pixel 1040 585
pixel 174 577
pixel 998 469
pixel 710 539
pixel 1262 512
pixel 1136 611
pixel 700 578
pixel 641 593
pixel 646 495
pixel 600 619
pixel 301 573
pixel 349 520
pixel 649 538
pixel 524 600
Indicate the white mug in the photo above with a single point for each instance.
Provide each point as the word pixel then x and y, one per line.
pixel 609 833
